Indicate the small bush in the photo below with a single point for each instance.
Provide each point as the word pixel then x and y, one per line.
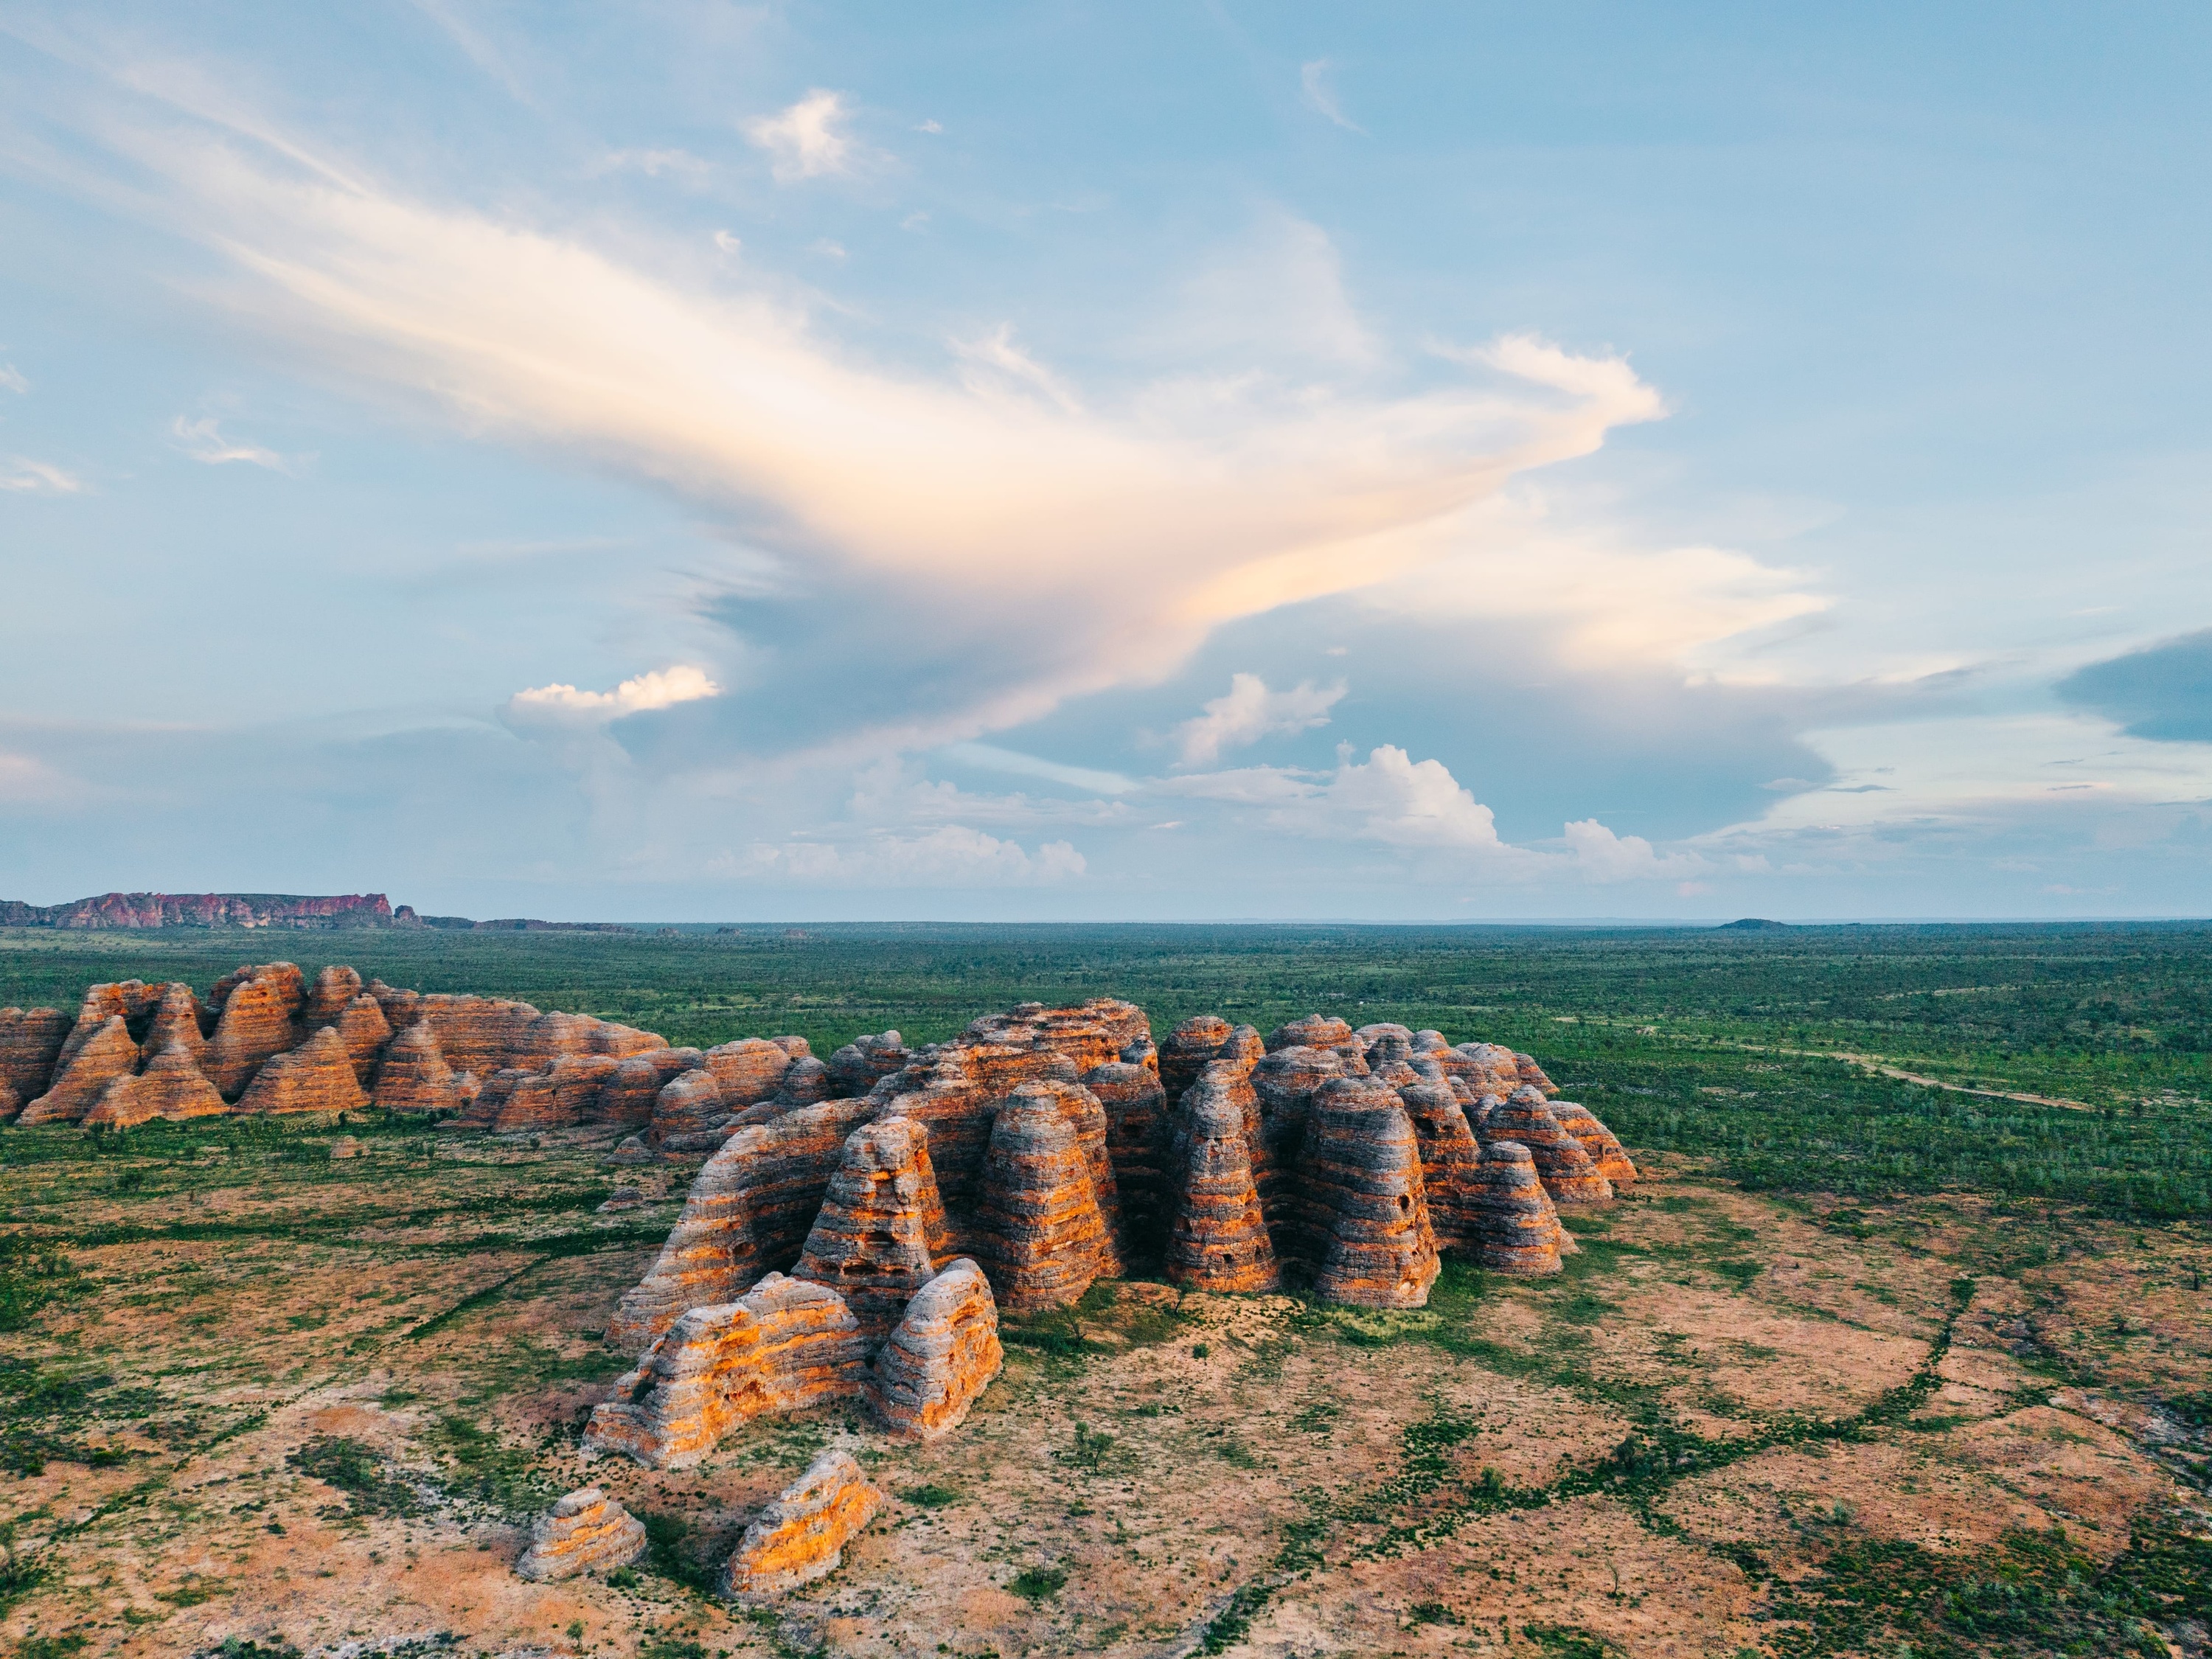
pixel 1037 1583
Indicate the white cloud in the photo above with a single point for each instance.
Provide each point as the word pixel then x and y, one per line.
pixel 664 688
pixel 932 507
pixel 955 855
pixel 1276 293
pixel 993 363
pixel 1314 77
pixel 654 164
pixel 203 440
pixel 728 244
pixel 827 248
pixel 1393 798
pixel 804 141
pixel 992 758
pixel 26 476
pixel 12 378
pixel 1599 856
pixel 1250 712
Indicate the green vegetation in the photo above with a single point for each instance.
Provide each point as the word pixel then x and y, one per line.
pixel 1038 1583
pixel 1720 1045
pixel 358 1471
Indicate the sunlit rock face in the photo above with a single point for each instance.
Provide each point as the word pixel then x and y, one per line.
pixel 1568 1175
pixel 941 1356
pixel 801 1537
pixel 586 1531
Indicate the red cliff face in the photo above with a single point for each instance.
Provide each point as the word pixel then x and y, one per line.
pixel 208 910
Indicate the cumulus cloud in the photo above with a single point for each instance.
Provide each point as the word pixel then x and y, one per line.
pixel 1600 855
pixel 953 856
pixel 24 476
pixel 565 705
pixel 203 440
pixel 1250 712
pixel 1321 97
pixel 805 141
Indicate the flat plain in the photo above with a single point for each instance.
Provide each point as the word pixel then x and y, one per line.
pixel 1867 1364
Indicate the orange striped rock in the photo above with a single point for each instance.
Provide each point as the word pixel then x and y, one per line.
pixel 801 1537
pixel 943 1353
pixel 1218 1239
pixel 176 1020
pixel 784 1346
pixel 30 1042
pixel 1450 1161
pixel 413 1076
pixel 1042 1239
pixel 108 1053
pixel 259 1018
pixel 315 1077
pixel 871 1240
pixel 1604 1148
pixel 1566 1170
pixel 1512 1227
pixel 586 1531
pixel 1368 1218
pixel 171 1087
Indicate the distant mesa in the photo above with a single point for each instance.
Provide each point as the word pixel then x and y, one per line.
pixel 1754 925
pixel 212 910
pixel 110 910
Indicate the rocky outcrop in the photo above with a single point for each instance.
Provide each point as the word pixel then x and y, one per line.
pixel 585 1532
pixel 1533 1074
pixel 30 1042
pixel 259 1018
pixel 476 1034
pixel 1283 1084
pixel 801 1537
pixel 80 1079
pixel 806 1084
pixel 1367 1214
pixel 1137 1139
pixel 515 1101
pixel 871 1240
pixel 1314 1031
pixel 1218 1236
pixel 413 1076
pixel 1452 1161
pixel 688 1111
pixel 207 910
pixel 784 1346
pixel 172 1087
pixel 749 1210
pixel 1042 1236
pixel 333 989
pixel 627 1097
pixel 1087 1035
pixel 132 1001
pixel 866 1061
pixel 942 1354
pixel 315 1077
pixel 176 1020
pixel 1568 1175
pixel 1511 1227
pixel 361 1026
pixel 1605 1150
pixel 1476 1069
pixel 1198 1042
pixel 1385 1044
pixel 746 1071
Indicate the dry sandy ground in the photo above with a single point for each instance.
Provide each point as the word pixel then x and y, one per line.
pixel 1159 1470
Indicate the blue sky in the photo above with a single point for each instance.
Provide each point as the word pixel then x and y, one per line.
pixel 687 461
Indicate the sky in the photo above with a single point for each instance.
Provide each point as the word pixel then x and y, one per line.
pixel 697 462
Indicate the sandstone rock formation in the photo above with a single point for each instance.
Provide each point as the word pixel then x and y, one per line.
pixel 413 1076
pixel 627 1097
pixel 172 1087
pixel 801 1537
pixel 1452 1161
pixel 30 1042
pixel 316 1076
pixel 942 1354
pixel 1511 1227
pixel 1568 1175
pixel 1385 1044
pixel 688 1111
pixel 176 1019
pixel 1217 1238
pixel 1283 1084
pixel 328 997
pixel 132 1001
pixel 1138 1137
pixel 1042 1239
pixel 866 1061
pixel 361 1026
pixel 805 1083
pixel 1367 1224
pixel 786 1344
pixel 1533 1074
pixel 747 1072
pixel 871 1240
pixel 259 1009
pixel 109 1052
pixel 211 910
pixel 749 1211
pixel 1087 1035
pixel 1605 1150
pixel 585 1532
pixel 1314 1031
pixel 1199 1041
pixel 514 1102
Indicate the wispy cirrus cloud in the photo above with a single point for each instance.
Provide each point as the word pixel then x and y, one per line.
pixel 25 477
pixel 203 440
pixel 12 378
pixel 1321 97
